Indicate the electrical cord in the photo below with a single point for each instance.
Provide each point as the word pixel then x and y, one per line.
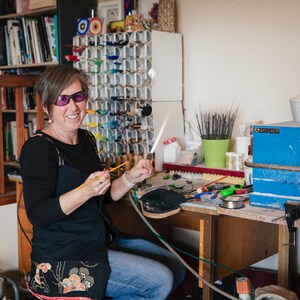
pixel 18 217
pixel 134 203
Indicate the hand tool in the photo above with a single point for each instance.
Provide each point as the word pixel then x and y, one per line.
pixel 98 177
pixel 231 190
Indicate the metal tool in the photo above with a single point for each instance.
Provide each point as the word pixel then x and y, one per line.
pixel 150 154
pixel 292 213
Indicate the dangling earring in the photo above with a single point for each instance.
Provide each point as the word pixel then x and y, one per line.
pixel 50 120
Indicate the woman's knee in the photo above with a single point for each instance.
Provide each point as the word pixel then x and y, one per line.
pixel 162 283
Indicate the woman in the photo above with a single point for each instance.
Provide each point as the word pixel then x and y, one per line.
pixel 64 194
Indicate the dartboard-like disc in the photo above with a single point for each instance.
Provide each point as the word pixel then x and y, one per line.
pixel 96 26
pixel 82 26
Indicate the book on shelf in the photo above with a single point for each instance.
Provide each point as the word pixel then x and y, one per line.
pixel 44 39
pixel 30 43
pixel 12 48
pixel 3 98
pixel 3 58
pixel 29 101
pixel 17 43
pixel 56 36
pixel 22 41
pixel 10 97
pixel 52 37
pixel 28 40
pixel 9 140
pixel 31 127
pixel 8 55
pixel 36 42
pixel 13 130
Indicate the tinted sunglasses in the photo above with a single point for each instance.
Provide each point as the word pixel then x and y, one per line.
pixel 63 100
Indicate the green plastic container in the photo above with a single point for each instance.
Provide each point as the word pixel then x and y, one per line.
pixel 214 152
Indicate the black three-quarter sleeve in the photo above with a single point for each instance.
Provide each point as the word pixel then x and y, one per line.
pixel 39 171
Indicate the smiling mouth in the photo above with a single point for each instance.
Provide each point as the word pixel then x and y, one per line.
pixel 73 116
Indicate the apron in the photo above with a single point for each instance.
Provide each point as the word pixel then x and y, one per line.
pixel 69 257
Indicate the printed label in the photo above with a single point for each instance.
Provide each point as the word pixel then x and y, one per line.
pixel 267 130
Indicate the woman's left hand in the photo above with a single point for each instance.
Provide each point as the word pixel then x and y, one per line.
pixel 142 170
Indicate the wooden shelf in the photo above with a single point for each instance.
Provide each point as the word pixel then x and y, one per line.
pixel 28 111
pixel 13 164
pixel 8 198
pixel 30 13
pixel 44 64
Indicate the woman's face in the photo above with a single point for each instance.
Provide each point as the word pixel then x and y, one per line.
pixel 68 118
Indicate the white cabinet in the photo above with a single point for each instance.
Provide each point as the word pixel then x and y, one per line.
pixel 136 79
pixel 167 63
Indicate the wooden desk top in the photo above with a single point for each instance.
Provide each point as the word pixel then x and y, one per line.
pixel 249 212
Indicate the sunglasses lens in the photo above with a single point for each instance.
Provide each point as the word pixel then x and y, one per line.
pixel 78 97
pixel 62 100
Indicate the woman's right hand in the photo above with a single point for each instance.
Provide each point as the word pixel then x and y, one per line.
pixel 97 186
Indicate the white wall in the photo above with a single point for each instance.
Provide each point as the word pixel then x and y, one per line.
pixel 241 52
pixel 8 238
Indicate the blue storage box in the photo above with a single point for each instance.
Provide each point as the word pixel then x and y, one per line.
pixel 276 144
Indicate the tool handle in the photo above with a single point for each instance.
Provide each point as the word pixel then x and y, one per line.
pixel 231 190
pixel 149 156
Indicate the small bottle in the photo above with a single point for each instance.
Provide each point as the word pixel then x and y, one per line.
pixel 188 136
pixel 171 150
pixel 243 288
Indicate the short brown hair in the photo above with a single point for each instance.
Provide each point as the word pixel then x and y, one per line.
pixel 55 79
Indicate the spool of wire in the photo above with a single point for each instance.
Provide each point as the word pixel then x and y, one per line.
pixel 234 161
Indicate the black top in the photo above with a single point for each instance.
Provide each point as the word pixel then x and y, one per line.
pixel 50 168
pixel 44 181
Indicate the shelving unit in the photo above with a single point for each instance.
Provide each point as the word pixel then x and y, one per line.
pixel 136 81
pixel 68 12
pixel 18 82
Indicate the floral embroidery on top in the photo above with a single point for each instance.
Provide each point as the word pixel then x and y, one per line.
pixel 79 279
pixel 44 267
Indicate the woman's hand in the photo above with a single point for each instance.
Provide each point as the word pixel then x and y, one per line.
pixel 97 186
pixel 142 170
